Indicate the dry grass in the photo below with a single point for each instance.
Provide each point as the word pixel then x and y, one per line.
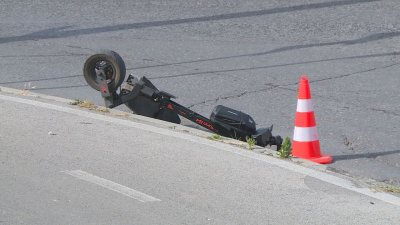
pixel 121 114
pixel 389 189
pixel 87 104
pixel 103 109
pixel 25 90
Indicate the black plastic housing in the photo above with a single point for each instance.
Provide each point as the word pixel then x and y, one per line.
pixel 234 118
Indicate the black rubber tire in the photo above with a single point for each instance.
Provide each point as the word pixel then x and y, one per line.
pixel 111 57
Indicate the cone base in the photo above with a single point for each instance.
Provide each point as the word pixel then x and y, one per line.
pixel 310 151
pixel 322 160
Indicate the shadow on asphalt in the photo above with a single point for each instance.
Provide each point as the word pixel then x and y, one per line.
pixel 61 32
pixel 364 155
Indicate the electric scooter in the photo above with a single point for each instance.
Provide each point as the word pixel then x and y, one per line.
pixel 105 72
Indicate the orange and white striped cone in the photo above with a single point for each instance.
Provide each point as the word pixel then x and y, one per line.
pixel 305 137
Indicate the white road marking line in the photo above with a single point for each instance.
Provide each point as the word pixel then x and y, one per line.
pixel 111 185
pixel 340 182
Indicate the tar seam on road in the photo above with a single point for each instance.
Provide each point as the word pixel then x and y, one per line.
pixel 82 175
pixel 340 182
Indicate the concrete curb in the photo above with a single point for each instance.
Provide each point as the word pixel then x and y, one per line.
pixel 145 120
pixel 196 136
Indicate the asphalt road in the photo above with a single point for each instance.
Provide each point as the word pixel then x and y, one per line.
pixel 59 169
pixel 247 55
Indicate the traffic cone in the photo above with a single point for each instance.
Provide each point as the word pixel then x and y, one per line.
pixel 305 137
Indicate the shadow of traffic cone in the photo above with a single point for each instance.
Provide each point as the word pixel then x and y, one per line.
pixel 305 137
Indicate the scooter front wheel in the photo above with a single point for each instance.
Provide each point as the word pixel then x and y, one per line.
pixel 107 64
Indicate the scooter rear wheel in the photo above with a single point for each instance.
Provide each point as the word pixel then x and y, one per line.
pixel 105 63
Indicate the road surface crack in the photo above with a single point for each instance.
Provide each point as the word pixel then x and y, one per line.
pixel 385 111
pixel 271 86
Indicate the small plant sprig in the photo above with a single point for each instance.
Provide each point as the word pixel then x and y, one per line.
pixel 286 149
pixel 251 142
pixel 216 137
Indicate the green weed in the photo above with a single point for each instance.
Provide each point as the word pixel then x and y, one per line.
pixel 286 149
pixel 215 137
pixel 251 142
